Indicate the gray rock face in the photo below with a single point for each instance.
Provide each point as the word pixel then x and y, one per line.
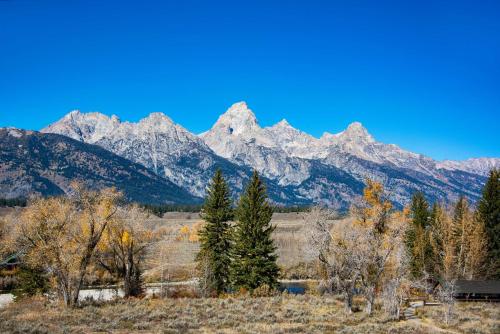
pixel 155 142
pixel 299 168
pixel 479 166
pixel 284 153
pixel 34 163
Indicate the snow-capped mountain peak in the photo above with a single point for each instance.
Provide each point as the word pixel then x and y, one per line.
pixel 282 124
pixel 293 141
pixel 155 141
pixel 87 127
pixel 237 120
pixel 157 122
pixel 357 133
pixel 157 117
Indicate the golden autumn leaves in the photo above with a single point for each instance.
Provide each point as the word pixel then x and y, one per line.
pixel 66 235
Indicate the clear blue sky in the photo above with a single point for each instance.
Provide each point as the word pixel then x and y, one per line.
pixel 424 75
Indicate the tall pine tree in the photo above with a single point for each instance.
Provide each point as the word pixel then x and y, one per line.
pixel 253 252
pixel 488 212
pixel 461 227
pixel 214 255
pixel 442 244
pixel 417 238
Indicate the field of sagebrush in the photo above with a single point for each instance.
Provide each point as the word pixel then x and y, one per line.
pixel 278 314
pixel 173 255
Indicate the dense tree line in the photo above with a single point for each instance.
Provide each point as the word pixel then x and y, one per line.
pixel 456 242
pixel 292 208
pixel 12 202
pixel 160 209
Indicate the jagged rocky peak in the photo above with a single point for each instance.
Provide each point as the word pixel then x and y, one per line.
pixel 283 124
pixel 14 132
pixel 238 119
pixel 355 133
pixel 157 117
pixel 86 127
pixel 157 121
pixel 76 116
pixel 284 133
pixel 283 127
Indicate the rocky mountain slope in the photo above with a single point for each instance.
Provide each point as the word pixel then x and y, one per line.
pixel 156 142
pixel 184 158
pixel 480 166
pixel 285 153
pixel 298 167
pixel 45 164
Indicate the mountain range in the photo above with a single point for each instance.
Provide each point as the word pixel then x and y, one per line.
pixel 298 169
pixel 33 163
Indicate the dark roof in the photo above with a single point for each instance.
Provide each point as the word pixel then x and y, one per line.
pixel 484 287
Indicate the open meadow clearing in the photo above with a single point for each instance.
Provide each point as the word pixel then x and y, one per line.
pixel 180 243
pixel 279 314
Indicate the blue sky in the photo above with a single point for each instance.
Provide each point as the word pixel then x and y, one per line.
pixel 423 75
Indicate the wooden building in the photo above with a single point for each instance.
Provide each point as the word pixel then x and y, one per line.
pixel 477 290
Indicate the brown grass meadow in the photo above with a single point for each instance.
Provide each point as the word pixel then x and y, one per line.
pixel 278 314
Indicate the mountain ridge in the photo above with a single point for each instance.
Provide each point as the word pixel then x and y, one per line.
pixel 296 164
pixel 34 163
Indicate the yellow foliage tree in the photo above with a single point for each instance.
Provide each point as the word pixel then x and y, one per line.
pixel 360 254
pixel 61 234
pixel 374 208
pixel 124 247
pixel 458 240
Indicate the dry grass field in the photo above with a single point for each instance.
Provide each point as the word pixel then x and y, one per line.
pixel 174 254
pixel 279 314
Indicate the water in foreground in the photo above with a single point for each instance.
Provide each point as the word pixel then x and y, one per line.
pixel 105 294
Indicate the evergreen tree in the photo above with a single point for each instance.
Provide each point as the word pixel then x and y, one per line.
pixel 461 226
pixel 30 282
pixel 214 256
pixel 420 210
pixel 253 255
pixel 417 237
pixel 461 210
pixel 440 238
pixel 488 212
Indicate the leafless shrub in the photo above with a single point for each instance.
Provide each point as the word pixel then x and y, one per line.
pixel 445 295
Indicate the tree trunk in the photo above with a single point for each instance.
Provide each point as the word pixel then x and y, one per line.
pixel 348 301
pixel 66 296
pixel 127 284
pixel 370 300
pixel 369 304
pixel 131 279
pixel 64 288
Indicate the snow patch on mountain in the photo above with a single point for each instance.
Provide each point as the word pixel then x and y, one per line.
pixel 480 166
pixel 299 167
pixel 238 137
pixel 155 142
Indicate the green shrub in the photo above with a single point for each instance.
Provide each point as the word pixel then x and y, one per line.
pixel 30 282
